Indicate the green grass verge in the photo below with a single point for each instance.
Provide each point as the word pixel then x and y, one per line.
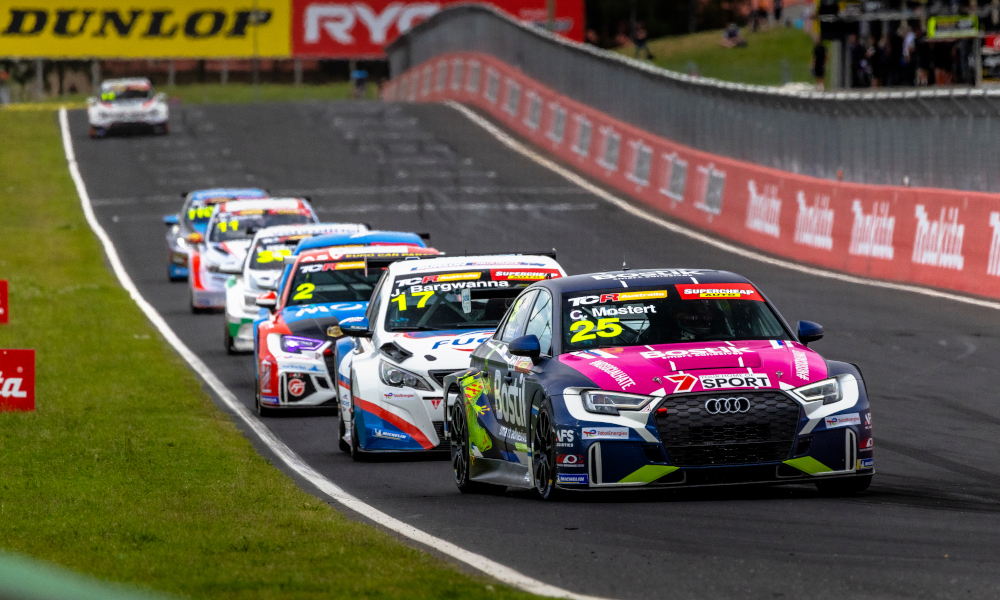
pixel 127 471
pixel 760 62
pixel 238 93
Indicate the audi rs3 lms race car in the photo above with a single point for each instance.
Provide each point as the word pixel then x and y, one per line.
pixel 260 272
pixel 223 248
pixel 193 218
pixel 655 378
pixel 294 357
pixel 425 318
pixel 127 104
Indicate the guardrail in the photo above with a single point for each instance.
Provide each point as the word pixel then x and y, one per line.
pixel 945 138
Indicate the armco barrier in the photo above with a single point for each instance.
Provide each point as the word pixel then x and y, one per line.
pixel 931 137
pixel 940 238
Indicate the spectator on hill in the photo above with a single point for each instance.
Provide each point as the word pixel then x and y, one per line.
pixel 924 59
pixel 731 37
pixel 909 58
pixel 876 58
pixel 819 64
pixel 776 6
pixel 642 41
pixel 894 61
pixel 360 79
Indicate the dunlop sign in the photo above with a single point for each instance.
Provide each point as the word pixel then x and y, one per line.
pixel 174 29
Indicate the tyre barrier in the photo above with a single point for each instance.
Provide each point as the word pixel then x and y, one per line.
pixel 931 237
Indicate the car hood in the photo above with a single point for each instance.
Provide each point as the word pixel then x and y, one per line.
pixel 313 320
pixel 449 349
pixel 231 251
pixel 697 367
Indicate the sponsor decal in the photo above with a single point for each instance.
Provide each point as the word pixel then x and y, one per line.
pixel 451 277
pixel 332 266
pixel 866 463
pixel 351 320
pixel 447 287
pixel 621 377
pixel 512 435
pixel 435 403
pixel 743 291
pixel 814 224
pixel 993 264
pixel 866 444
pixel 296 387
pixel 523 365
pixel 939 243
pixel 764 210
pixel 265 376
pixel 868 420
pixel 570 460
pixel 843 420
pixel 389 435
pixel 657 274
pixel 399 396
pixel 871 234
pixel 735 380
pixel 699 352
pixel 801 364
pixel 565 436
pixel 605 433
pixel 523 274
pixel 685 382
pixel 17 380
pixel 509 406
pixel 334 331
pixel 620 297
pixel 312 309
pixel 712 184
pixel 460 341
pixel 572 478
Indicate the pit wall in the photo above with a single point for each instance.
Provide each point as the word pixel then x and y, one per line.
pixel 939 238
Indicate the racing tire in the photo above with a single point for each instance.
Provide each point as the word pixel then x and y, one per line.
pixel 197 310
pixel 341 432
pixel 461 454
pixel 357 454
pixel 228 341
pixel 543 453
pixel 844 487
pixel 261 410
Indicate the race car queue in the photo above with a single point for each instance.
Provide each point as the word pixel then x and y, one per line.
pixel 527 377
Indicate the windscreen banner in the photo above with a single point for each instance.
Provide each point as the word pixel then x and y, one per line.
pixel 171 29
pixel 363 28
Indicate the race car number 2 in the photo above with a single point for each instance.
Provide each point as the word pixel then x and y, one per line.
pixel 304 291
pixel 604 328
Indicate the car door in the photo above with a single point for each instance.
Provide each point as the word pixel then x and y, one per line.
pixel 539 324
pixel 505 392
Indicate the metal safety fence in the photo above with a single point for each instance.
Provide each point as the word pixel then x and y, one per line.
pixel 944 138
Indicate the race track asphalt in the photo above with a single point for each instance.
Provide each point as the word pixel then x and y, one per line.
pixel 928 527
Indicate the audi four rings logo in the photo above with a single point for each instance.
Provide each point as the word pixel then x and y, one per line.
pixel 725 406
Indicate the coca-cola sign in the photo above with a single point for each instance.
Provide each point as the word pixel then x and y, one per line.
pixel 340 29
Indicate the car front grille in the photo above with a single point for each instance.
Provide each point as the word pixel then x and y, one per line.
pixel 693 437
pixel 440 374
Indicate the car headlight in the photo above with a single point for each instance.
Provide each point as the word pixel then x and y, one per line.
pixel 608 403
pixel 392 375
pixel 828 390
pixel 295 345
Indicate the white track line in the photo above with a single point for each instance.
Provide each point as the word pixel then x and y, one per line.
pixel 520 148
pixel 287 455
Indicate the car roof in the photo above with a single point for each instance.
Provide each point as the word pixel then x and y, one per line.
pixel 310 229
pixel 264 204
pixel 361 239
pixel 446 263
pixel 126 82
pixel 234 193
pixel 348 252
pixel 639 278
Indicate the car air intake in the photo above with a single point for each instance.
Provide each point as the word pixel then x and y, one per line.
pixel 439 375
pixel 741 427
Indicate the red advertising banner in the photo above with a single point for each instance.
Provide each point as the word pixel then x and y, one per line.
pixel 933 237
pixel 4 303
pixel 17 380
pixel 324 29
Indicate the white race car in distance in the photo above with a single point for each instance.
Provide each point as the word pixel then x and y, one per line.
pixel 223 248
pixel 424 320
pixel 260 272
pixel 127 104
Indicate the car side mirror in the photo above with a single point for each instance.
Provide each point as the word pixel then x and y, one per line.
pixel 526 345
pixel 356 327
pixel 268 300
pixel 809 332
pixel 170 220
pixel 195 238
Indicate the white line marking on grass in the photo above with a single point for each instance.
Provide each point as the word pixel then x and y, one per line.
pixel 530 154
pixel 492 568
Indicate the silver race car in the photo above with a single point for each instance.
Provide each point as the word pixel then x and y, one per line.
pixel 127 105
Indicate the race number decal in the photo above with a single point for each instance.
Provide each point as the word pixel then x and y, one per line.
pixel 304 292
pixel 605 328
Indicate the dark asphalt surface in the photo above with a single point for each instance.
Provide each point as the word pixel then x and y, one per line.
pixel 928 527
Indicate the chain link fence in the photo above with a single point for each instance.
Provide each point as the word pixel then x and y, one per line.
pixel 945 138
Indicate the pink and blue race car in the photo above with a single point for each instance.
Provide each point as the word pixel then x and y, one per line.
pixel 655 378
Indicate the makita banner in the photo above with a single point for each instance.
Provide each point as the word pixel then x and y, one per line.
pixel 17 380
pixel 362 29
pixel 941 238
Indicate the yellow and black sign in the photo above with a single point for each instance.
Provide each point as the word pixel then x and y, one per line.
pixel 173 29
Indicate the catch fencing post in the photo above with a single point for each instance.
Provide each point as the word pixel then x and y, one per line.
pixel 39 79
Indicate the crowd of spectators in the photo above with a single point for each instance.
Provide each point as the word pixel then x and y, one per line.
pixel 905 57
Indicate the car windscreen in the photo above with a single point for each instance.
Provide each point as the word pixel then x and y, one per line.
pixel 240 226
pixel 327 282
pixel 126 94
pixel 199 212
pixel 476 299
pixel 268 252
pixel 668 314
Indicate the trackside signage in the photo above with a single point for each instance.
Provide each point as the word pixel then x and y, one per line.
pixel 941 238
pixel 4 303
pixel 171 29
pixel 17 379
